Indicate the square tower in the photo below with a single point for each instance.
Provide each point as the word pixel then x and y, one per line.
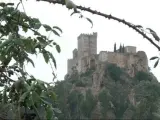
pixel 87 45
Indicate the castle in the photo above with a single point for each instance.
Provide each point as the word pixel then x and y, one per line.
pixel 86 56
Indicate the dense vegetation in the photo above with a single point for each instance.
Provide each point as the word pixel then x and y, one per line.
pixel 113 97
pixel 24 97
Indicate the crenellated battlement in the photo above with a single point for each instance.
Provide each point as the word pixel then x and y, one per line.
pixel 87 35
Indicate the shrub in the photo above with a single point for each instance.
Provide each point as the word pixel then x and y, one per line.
pixel 143 76
pixel 114 71
pixel 88 104
pixel 105 100
pixel 80 83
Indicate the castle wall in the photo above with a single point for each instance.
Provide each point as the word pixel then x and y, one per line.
pixel 87 62
pixel 103 55
pixel 132 62
pixel 117 58
pixel 75 54
pixel 71 63
pixel 130 49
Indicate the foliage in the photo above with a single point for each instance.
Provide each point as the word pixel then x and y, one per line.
pixel 105 100
pixel 88 105
pixel 114 71
pixel 143 76
pixel 62 89
pixel 74 100
pixel 148 94
pixel 87 73
pixel 25 92
pixel 80 83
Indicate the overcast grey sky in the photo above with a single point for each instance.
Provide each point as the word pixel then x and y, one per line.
pixel 143 12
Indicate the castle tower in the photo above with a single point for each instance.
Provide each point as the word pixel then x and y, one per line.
pixel 87 45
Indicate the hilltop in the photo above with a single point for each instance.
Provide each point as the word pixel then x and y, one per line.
pixel 108 93
pixel 108 85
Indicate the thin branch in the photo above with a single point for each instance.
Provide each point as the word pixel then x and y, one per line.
pixel 108 17
pixel 23 6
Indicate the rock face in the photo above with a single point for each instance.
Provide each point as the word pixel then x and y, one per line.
pixel 113 87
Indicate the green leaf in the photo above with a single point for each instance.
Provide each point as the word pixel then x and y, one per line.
pixel 58 48
pixel 18 41
pixel 55 32
pixel 46 56
pixel 44 101
pixel 57 110
pixel 37 26
pixel 36 33
pixel 35 97
pixel 25 27
pixel 5 43
pixel 152 58
pixel 42 40
pixel 75 12
pixel 90 21
pixel 53 59
pixel 54 43
pixel 30 60
pixel 5 99
pixel 138 26
pixel 154 34
pixel 23 96
pixel 57 28
pixel 49 113
pixel 29 101
pixel 47 27
pixel 11 4
pixel 2 4
pixel 156 63
pixel 35 20
pixel 53 95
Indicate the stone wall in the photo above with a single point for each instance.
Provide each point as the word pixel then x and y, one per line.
pixel 133 62
pixel 130 49
pixel 75 54
pixel 87 62
pixel 87 45
pixel 103 55
pixel 71 63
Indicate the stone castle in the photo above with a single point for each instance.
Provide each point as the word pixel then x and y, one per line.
pixel 86 56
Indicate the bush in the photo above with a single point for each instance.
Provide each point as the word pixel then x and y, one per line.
pixel 105 99
pixel 80 83
pixel 143 76
pixel 88 104
pixel 87 73
pixel 114 71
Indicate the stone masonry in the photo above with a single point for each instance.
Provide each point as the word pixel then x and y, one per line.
pixel 86 56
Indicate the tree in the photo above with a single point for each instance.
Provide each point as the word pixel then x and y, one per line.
pixel 115 47
pixel 25 93
pixel 123 49
pixel 120 48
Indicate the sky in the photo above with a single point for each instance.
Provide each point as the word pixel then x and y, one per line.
pixel 142 12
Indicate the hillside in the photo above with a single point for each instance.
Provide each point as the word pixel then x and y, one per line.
pixel 108 92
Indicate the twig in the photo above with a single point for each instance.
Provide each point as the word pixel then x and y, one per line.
pixel 109 17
